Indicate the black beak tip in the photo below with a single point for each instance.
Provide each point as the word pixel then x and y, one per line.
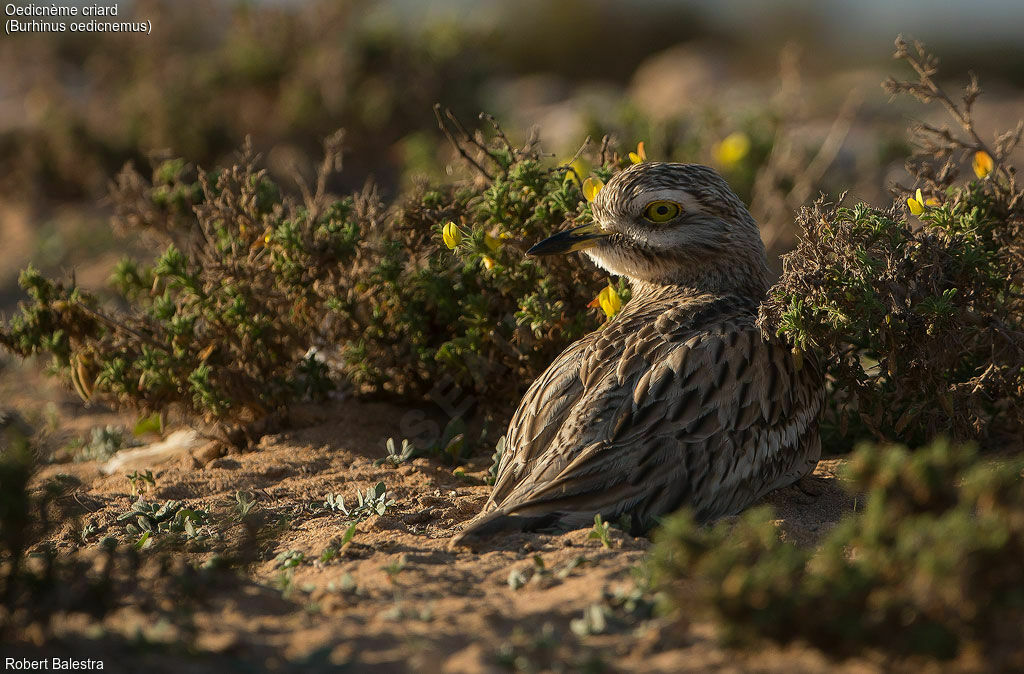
pixel 553 245
pixel 565 242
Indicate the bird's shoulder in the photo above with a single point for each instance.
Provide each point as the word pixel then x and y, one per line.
pixel 647 335
pixel 707 353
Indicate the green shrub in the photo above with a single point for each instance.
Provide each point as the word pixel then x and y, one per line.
pixel 929 565
pixel 222 322
pixel 920 317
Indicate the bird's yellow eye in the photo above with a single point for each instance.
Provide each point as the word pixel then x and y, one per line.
pixel 661 211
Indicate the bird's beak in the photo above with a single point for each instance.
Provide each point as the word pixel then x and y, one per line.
pixel 577 238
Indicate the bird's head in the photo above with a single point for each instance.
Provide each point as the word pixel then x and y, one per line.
pixel 670 224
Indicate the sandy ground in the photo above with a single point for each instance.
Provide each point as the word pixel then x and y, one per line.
pixel 395 598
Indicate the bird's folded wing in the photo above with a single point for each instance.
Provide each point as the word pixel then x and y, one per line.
pixel 538 418
pixel 714 421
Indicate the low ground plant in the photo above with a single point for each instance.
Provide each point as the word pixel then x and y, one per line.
pixel 929 565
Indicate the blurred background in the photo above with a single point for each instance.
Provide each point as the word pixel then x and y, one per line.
pixel 782 97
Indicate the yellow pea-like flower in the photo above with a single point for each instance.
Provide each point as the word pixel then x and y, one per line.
pixel 579 168
pixel 609 301
pixel 591 186
pixel 916 203
pixel 488 262
pixel 261 241
pixel 983 164
pixel 640 155
pixel 732 149
pixel 452 235
pixel 493 242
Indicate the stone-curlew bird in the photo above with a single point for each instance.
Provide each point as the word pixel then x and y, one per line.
pixel 680 399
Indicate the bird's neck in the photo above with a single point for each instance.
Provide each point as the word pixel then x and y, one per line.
pixel 752 286
pixel 647 293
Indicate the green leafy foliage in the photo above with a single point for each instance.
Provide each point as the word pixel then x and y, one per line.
pixel 148 424
pixel 601 531
pixel 289 559
pixel 943 352
pixel 17 464
pixel 499 451
pixel 918 309
pixel 231 320
pixel 483 314
pixel 397 456
pixel 147 519
pixel 141 482
pixel 929 566
pixel 244 503
pixel 202 332
pixel 374 501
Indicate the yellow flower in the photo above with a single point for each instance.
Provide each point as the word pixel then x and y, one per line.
pixel 488 263
pixel 609 301
pixel 452 235
pixel 579 168
pixel 640 155
pixel 493 242
pixel 261 241
pixel 591 186
pixel 732 149
pixel 916 203
pixel 983 164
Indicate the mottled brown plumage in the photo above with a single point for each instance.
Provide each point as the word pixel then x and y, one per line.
pixel 679 400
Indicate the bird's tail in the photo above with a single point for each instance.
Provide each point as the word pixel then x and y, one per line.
pixel 488 524
pixel 501 520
